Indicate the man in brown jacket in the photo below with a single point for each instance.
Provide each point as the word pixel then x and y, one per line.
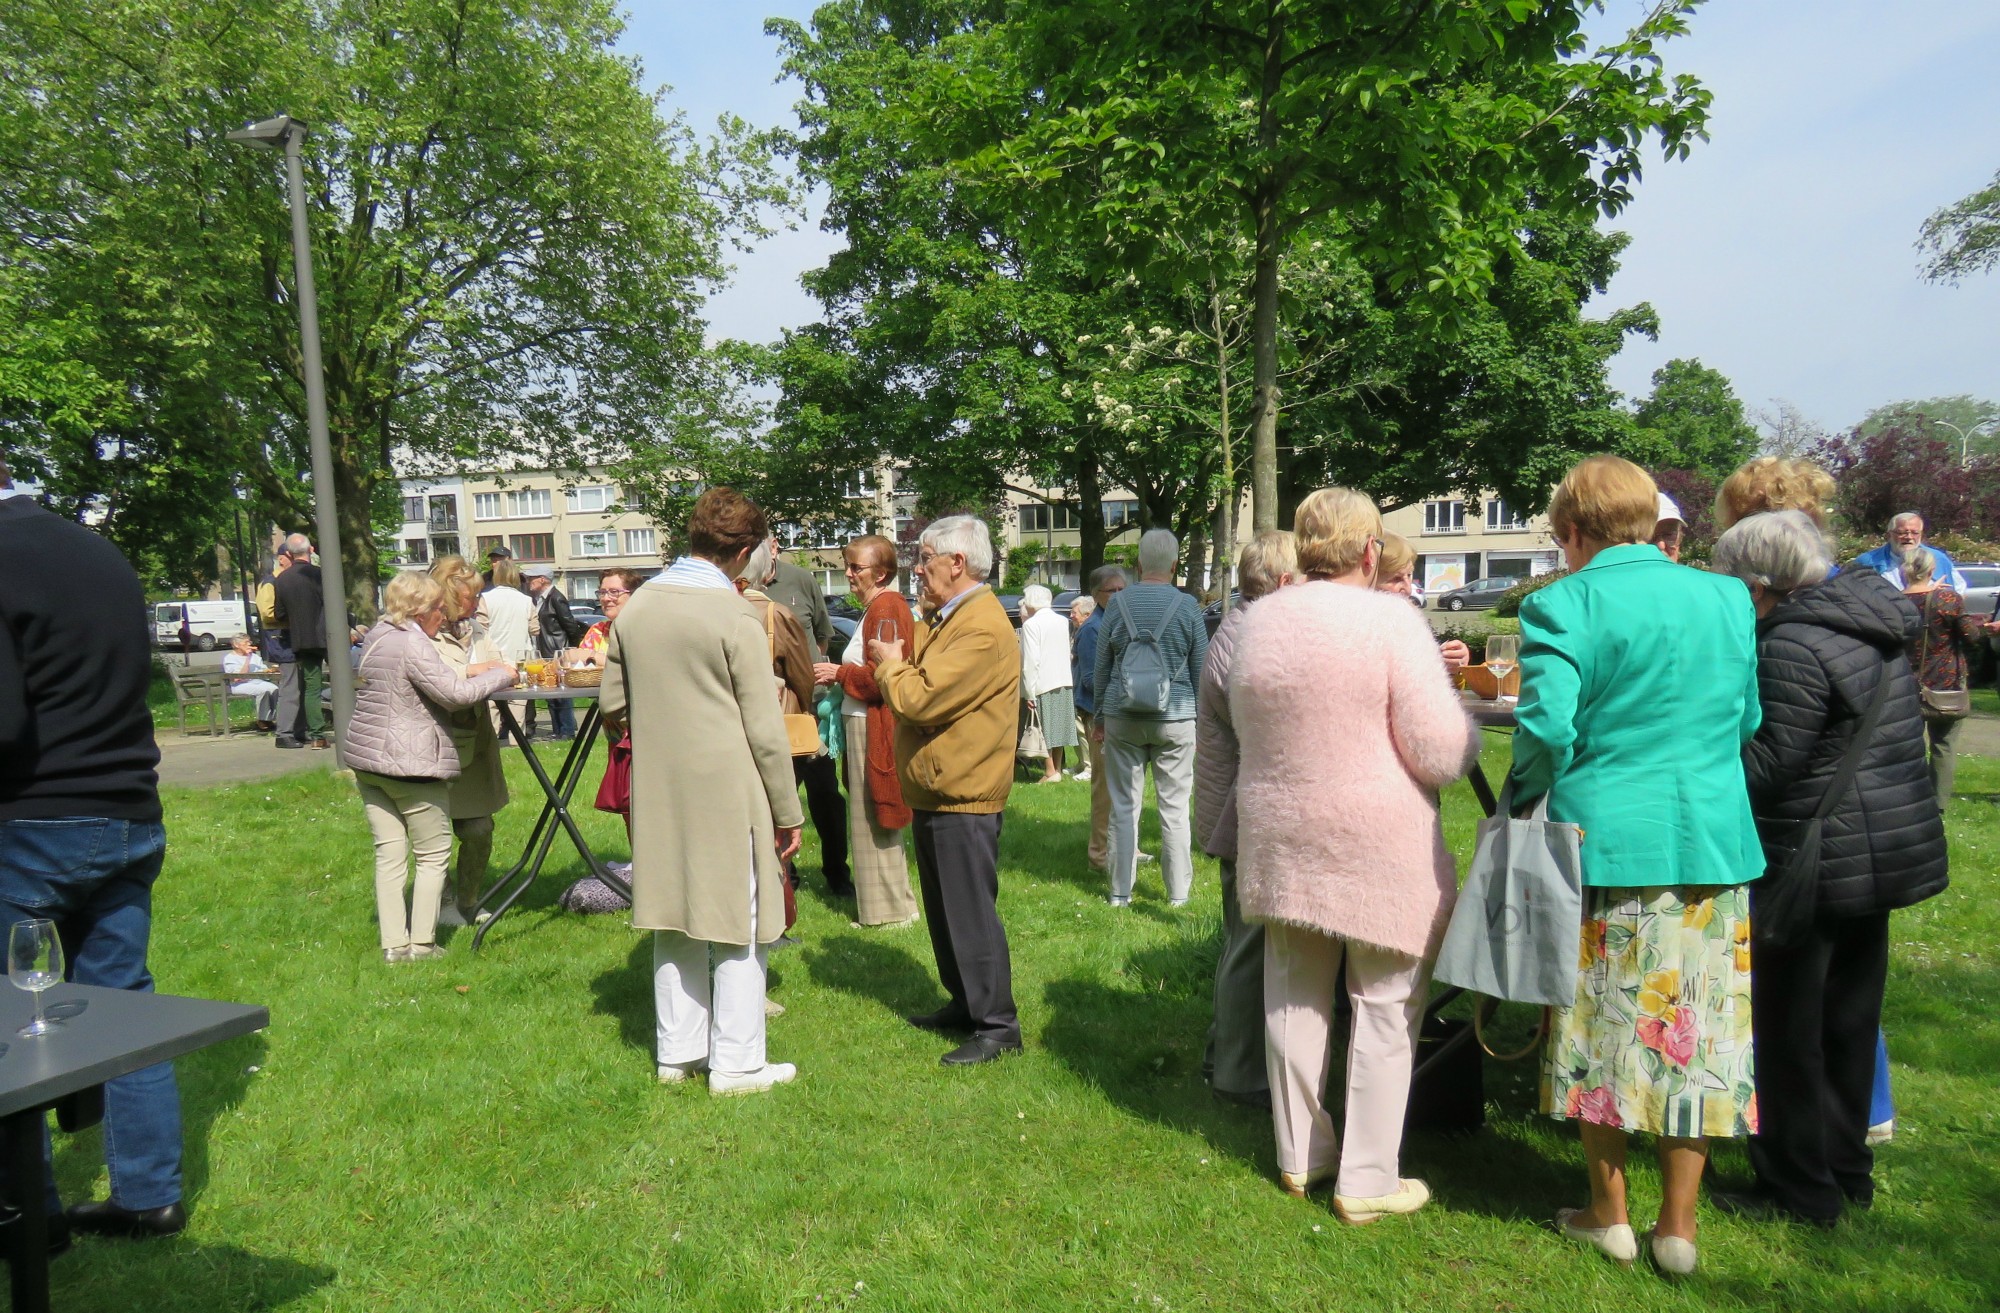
pixel 954 701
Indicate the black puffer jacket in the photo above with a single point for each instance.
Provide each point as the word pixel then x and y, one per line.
pixel 1820 655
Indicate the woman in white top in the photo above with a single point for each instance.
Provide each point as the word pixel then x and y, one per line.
pixel 506 620
pixel 1045 675
pixel 242 659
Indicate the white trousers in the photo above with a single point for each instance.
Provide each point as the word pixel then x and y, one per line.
pixel 1169 746
pixel 1301 969
pixel 709 998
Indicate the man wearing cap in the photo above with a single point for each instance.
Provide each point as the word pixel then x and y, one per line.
pixel 495 554
pixel 559 629
pixel 1668 530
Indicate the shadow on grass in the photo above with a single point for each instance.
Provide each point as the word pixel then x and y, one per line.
pixel 120 1274
pixel 875 966
pixel 212 1083
pixel 626 993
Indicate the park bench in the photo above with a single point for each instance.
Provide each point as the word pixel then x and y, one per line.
pixel 202 690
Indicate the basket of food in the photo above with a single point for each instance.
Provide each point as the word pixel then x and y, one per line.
pixel 583 676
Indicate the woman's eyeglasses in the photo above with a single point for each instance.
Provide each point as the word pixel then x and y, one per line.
pixel 614 592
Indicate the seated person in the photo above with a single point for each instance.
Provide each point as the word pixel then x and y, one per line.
pixel 242 659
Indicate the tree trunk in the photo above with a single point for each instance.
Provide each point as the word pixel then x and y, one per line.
pixel 355 489
pixel 1267 227
pixel 1090 516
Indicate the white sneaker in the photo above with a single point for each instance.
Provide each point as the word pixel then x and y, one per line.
pixel 751 1082
pixel 673 1073
pixel 450 917
pixel 773 1008
pixel 1148 857
pixel 1881 1133
pixel 1082 776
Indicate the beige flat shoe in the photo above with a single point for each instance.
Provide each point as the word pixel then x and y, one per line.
pixel 1298 1185
pixel 1674 1256
pixel 1616 1243
pixel 1411 1195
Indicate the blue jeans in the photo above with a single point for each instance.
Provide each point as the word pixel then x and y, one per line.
pixel 94 879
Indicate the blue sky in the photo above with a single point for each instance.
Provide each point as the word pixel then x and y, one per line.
pixel 1782 252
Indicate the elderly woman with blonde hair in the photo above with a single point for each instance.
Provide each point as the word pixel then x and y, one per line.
pixel 480 790
pixel 404 754
pixel 1347 727
pixel 1234 1062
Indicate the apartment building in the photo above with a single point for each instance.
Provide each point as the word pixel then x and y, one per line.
pixel 1459 539
pixel 578 528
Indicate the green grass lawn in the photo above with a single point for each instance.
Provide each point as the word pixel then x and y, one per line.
pixel 486 1133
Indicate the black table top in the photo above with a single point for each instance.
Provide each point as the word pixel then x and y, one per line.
pixel 108 1032
pixel 544 694
pixel 1495 713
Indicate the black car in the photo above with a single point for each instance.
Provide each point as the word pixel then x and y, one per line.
pixel 1479 595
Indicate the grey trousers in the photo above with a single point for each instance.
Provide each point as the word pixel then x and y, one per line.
pixel 1943 737
pixel 1169 745
pixel 1235 1058
pixel 288 697
pixel 958 871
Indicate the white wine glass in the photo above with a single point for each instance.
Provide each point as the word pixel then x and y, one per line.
pixel 1503 653
pixel 34 963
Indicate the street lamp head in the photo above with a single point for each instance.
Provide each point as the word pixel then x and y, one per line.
pixel 270 132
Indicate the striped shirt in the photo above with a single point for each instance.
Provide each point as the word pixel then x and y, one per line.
pixel 1158 609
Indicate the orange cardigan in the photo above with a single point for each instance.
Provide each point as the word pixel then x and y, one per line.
pixel 885 791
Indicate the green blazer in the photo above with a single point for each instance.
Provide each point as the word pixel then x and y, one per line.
pixel 1638 692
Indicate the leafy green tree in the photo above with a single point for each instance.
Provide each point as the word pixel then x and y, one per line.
pixel 1430 128
pixel 1972 424
pixel 1963 239
pixel 512 246
pixel 1692 421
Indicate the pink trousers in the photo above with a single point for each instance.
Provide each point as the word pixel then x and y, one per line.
pixel 1301 968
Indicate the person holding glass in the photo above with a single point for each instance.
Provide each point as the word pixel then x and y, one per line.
pixel 1638 694
pixel 715 809
pixel 1398 574
pixel 480 789
pixel 401 747
pixel 876 812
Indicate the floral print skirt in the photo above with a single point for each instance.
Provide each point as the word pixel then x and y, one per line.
pixel 1659 1037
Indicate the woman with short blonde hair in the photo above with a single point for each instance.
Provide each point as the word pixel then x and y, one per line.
pixel 401 747
pixel 1267 563
pixel 1773 483
pixel 1608 500
pixel 1347 728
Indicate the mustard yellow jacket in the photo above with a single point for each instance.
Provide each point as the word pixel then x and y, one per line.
pixel 956 709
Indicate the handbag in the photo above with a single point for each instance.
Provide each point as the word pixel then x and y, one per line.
pixel 1785 900
pixel 1033 742
pixel 1940 705
pixel 801 728
pixel 614 791
pixel 1514 932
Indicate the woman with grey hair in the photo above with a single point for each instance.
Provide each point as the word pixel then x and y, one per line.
pixel 1149 661
pixel 1825 647
pixel 1938 655
pixel 1045 676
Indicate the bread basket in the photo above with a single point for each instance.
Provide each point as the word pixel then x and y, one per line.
pixel 583 677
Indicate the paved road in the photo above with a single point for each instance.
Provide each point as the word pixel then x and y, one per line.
pixel 197 760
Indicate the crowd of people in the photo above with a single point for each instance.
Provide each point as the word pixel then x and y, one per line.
pixel 1690 721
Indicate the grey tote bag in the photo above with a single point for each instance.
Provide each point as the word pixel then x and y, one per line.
pixel 1515 932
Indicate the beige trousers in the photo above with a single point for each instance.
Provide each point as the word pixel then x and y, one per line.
pixel 1301 968
pixel 407 816
pixel 1100 804
pixel 882 893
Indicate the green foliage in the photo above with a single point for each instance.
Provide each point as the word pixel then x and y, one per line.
pixel 1964 238
pixel 1473 630
pixel 1972 423
pixel 1023 566
pixel 1692 421
pixel 511 246
pixel 1509 604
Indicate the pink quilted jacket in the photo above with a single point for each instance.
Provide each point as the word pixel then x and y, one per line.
pixel 403 700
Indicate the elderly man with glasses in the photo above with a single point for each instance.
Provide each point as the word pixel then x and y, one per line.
pixel 954 700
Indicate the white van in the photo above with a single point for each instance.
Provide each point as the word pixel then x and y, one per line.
pixel 213 623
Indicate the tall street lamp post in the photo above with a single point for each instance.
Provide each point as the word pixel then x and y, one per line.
pixel 284 132
pixel 1964 436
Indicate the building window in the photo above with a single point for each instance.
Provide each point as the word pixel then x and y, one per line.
pixel 529 502
pixel 416 551
pixel 444 544
pixel 1444 517
pixel 1037 517
pixel 639 542
pixel 413 510
pixel 1499 515
pixel 486 543
pixel 600 542
pixel 444 513
pixel 1120 514
pixel 533 546
pixel 485 505
pixel 589 499
pixel 582 588
pixel 857 485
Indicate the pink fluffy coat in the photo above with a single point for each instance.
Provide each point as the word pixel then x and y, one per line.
pixel 1347 726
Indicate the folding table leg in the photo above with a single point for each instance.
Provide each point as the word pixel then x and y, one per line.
pixel 28 1236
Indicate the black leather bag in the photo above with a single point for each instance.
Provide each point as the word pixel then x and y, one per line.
pixel 1788 895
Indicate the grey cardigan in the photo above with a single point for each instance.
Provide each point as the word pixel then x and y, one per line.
pixel 1215 749
pixel 403 701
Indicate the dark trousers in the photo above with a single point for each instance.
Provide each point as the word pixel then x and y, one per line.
pixel 309 719
pixel 1816 1006
pixel 562 720
pixel 958 872
pixel 821 776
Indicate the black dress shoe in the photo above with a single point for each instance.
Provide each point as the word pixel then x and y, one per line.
pixel 1247 1098
pixel 978 1049
pixel 102 1217
pixel 944 1021
pixel 839 890
pixel 286 741
pixel 58 1230
pixel 1758 1206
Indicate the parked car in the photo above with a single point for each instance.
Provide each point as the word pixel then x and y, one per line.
pixel 212 623
pixel 1982 586
pixel 842 604
pixel 1067 598
pixel 586 618
pixel 1479 595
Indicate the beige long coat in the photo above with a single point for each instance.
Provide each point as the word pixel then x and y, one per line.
pixel 690 671
pixel 481 787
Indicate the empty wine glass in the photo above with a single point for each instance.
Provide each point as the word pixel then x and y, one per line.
pixel 35 962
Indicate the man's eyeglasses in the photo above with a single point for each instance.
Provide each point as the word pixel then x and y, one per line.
pixel 924 558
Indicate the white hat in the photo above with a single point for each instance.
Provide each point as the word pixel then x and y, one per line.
pixel 537 572
pixel 1670 510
